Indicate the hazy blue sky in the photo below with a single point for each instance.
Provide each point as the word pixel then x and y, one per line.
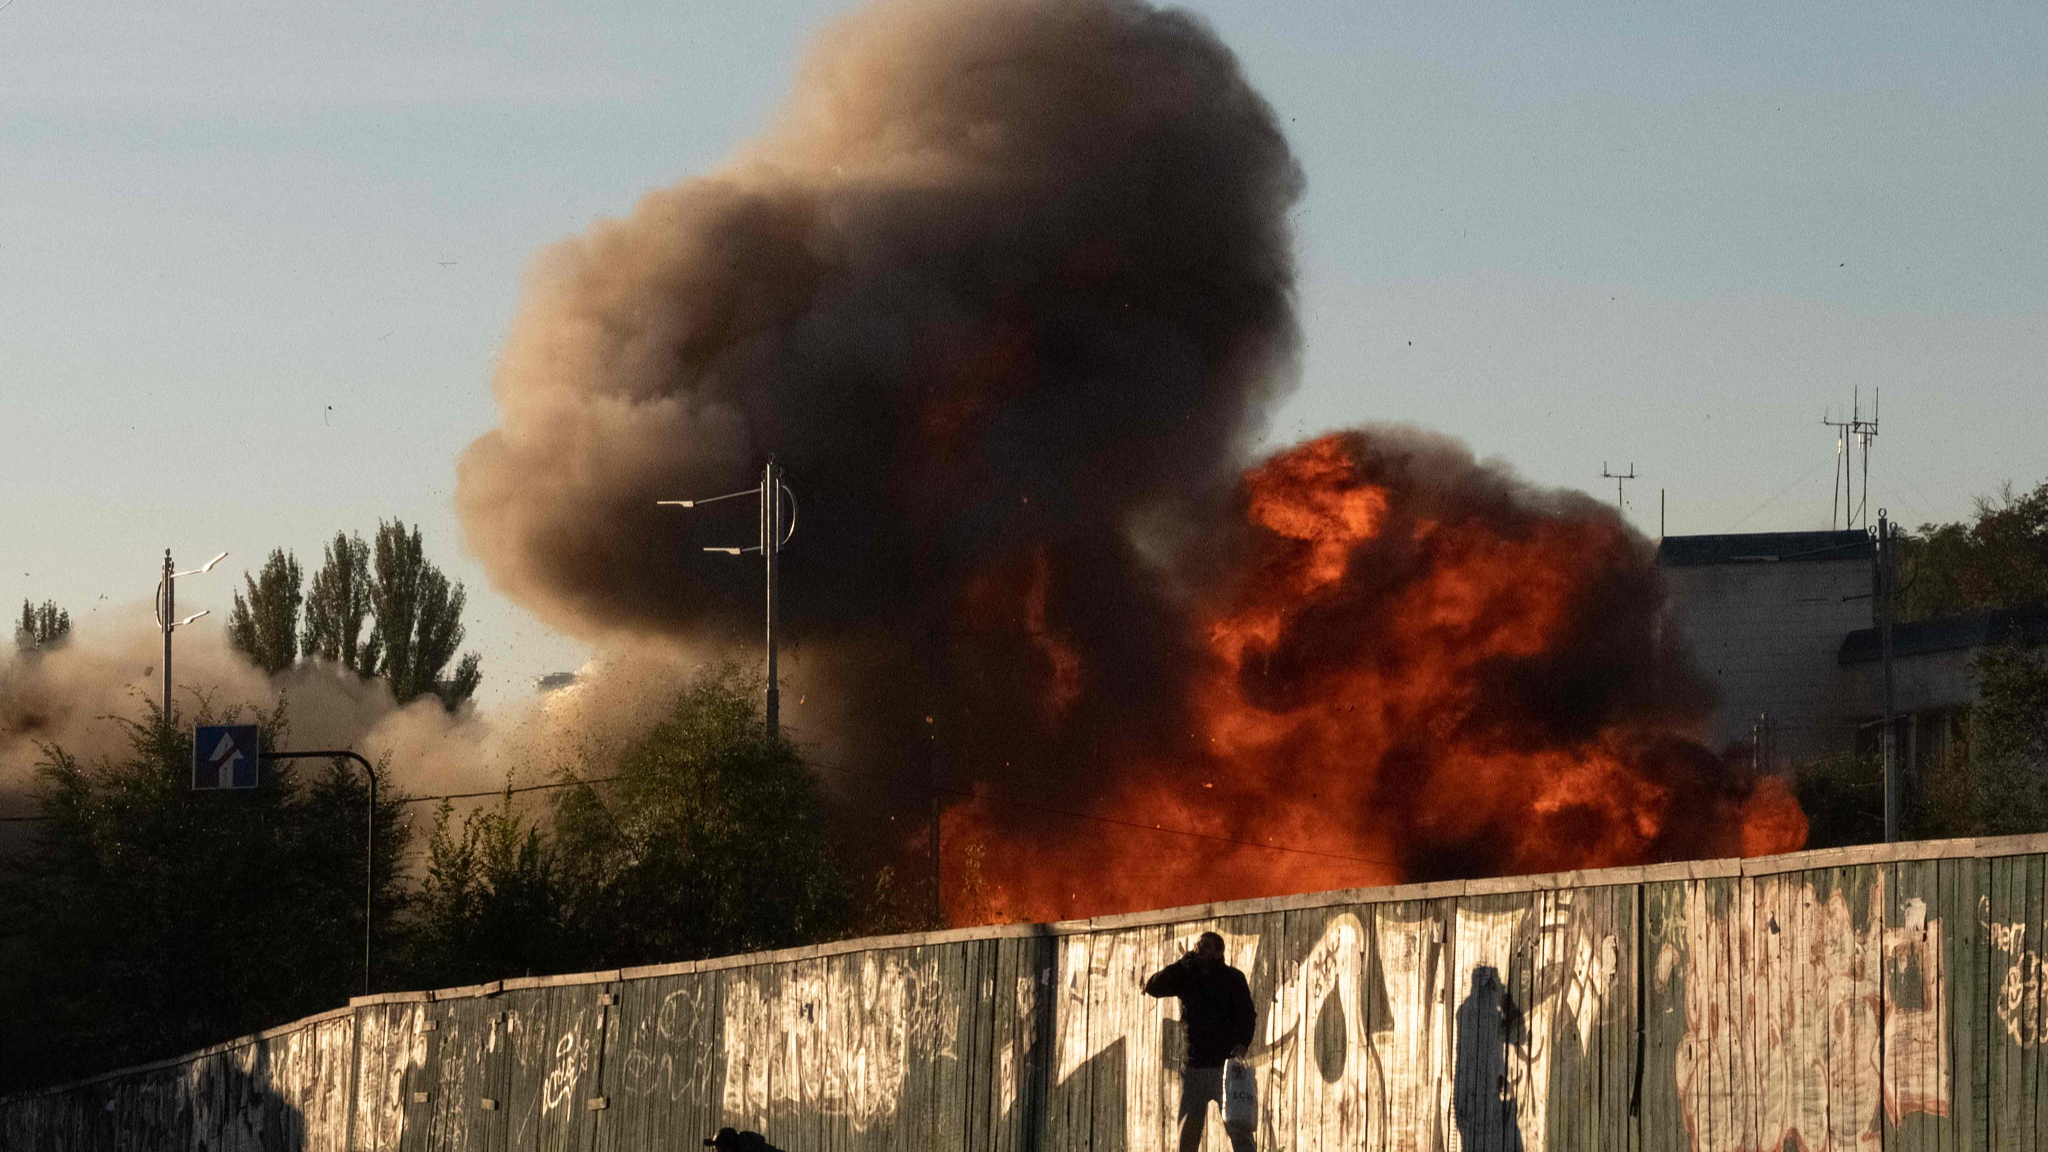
pixel 256 258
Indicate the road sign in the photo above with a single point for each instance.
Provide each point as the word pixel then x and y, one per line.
pixel 224 756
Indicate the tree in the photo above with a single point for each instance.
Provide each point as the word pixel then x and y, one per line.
pixel 419 621
pixel 41 628
pixel 1995 782
pixel 338 605
pixel 491 904
pixel 150 919
pixel 1997 560
pixel 265 627
pixel 708 843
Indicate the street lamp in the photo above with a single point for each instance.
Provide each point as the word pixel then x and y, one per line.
pixel 774 533
pixel 166 612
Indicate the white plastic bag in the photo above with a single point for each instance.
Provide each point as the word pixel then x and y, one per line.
pixel 1240 1096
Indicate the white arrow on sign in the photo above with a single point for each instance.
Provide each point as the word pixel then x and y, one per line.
pixel 225 756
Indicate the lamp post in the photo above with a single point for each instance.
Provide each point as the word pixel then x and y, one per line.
pixel 775 532
pixel 166 612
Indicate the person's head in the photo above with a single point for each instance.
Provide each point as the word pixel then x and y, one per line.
pixel 726 1139
pixel 1209 950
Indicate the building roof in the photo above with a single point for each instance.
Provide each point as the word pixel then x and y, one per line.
pixel 1763 548
pixel 2023 626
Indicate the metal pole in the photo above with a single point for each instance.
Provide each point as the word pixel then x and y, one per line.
pixel 1887 580
pixel 369 839
pixel 1835 487
pixel 170 604
pixel 931 763
pixel 771 543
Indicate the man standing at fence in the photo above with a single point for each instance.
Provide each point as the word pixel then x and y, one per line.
pixel 1216 1009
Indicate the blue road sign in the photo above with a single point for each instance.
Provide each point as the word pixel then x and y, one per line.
pixel 224 756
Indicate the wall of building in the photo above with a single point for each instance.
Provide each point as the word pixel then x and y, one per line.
pixel 1921 682
pixel 1769 635
pixel 1854 998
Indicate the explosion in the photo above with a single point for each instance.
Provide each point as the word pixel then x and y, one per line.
pixel 1008 290
pixel 1418 669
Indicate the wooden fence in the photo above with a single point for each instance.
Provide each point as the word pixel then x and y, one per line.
pixel 1855 998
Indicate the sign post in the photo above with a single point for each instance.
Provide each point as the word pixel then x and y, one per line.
pixel 224 758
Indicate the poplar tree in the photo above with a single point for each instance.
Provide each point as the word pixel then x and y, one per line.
pixel 42 627
pixel 419 621
pixel 338 605
pixel 265 626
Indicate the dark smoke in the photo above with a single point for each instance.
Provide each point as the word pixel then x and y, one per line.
pixel 1006 273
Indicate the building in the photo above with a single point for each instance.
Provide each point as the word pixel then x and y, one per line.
pixel 1784 625
pixel 1933 677
pixel 1765 615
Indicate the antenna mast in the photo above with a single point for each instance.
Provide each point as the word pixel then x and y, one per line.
pixel 1851 434
pixel 1618 478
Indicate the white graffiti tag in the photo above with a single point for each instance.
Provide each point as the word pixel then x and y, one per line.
pixel 572 1056
pixel 2019 993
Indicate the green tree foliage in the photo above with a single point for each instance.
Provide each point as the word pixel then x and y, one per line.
pixel 265 625
pixel 491 904
pixel 1997 560
pixel 1996 782
pixel 41 628
pixel 389 611
pixel 708 843
pixel 703 839
pixel 338 605
pixel 418 621
pixel 150 919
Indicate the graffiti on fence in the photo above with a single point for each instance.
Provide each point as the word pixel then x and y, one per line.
pixel 1788 1035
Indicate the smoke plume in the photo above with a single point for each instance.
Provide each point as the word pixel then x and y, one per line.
pixel 69 696
pixel 1007 290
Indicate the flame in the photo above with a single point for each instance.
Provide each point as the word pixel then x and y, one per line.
pixel 1376 699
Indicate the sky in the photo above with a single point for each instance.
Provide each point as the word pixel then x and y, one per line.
pixel 256 259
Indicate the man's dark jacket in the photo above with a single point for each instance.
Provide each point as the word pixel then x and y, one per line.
pixel 1215 1005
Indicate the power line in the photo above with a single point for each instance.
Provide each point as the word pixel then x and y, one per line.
pixel 1775 497
pixel 422 799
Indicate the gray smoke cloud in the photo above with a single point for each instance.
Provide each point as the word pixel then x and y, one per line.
pixel 1004 273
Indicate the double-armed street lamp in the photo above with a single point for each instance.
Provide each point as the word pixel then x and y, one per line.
pixel 166 612
pixel 775 531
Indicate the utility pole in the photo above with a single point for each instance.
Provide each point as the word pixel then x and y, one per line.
pixel 167 612
pixel 1887 586
pixel 1618 477
pixel 775 531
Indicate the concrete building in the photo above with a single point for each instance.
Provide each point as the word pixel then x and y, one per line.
pixel 1783 623
pixel 1765 615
